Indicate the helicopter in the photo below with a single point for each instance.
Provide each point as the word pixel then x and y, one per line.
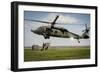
pixel 60 32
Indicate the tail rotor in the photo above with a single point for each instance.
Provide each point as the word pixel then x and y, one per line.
pixel 87 29
pixel 85 34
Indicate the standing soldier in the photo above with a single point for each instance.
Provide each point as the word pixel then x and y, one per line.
pixel 45 45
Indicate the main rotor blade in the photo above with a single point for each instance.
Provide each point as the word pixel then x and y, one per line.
pixel 55 19
pixel 67 24
pixel 53 23
pixel 38 21
pixel 86 26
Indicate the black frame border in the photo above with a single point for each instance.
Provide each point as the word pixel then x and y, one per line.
pixel 14 35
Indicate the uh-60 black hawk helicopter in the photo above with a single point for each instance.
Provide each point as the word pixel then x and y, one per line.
pixel 61 32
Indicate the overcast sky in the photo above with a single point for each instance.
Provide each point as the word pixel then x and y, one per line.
pixel 67 18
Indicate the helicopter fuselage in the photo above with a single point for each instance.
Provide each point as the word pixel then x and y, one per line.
pixel 46 31
pixel 61 32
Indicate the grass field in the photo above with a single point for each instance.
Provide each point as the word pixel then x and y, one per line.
pixel 57 54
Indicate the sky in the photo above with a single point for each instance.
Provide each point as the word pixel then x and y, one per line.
pixel 78 21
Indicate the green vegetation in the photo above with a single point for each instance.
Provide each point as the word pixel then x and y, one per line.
pixel 57 54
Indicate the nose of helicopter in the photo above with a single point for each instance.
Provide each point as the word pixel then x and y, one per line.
pixel 33 31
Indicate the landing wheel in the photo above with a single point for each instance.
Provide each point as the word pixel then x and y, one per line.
pixel 46 36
